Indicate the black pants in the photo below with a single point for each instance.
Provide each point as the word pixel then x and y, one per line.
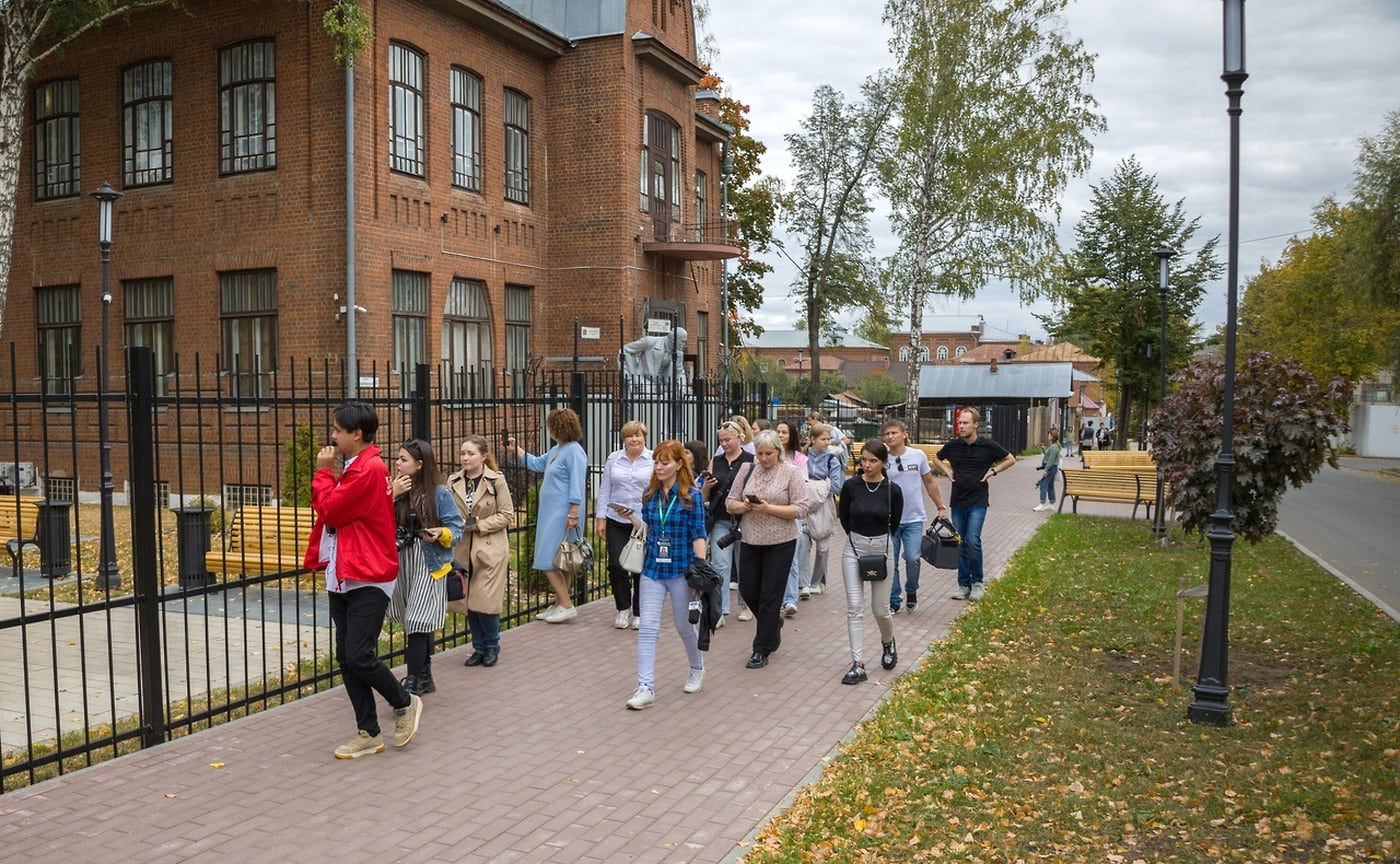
pixel 358 616
pixel 624 584
pixel 763 573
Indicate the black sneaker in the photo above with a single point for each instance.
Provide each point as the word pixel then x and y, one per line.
pixel 889 657
pixel 911 602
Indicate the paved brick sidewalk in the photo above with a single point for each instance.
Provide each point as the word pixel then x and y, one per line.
pixel 534 760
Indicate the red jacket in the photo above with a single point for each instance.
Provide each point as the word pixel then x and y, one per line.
pixel 360 507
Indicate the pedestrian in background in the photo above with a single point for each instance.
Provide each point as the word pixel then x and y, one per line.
pixel 429 525
pixel 565 469
pixel 723 470
pixel 974 460
pixel 626 474
pixel 823 463
pixel 1050 464
pixel 908 468
pixel 483 554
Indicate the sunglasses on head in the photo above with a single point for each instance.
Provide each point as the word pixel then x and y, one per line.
pixel 898 464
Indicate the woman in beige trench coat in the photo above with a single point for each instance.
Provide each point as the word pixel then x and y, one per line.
pixel 483 553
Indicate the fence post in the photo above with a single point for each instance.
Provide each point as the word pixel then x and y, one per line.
pixel 140 413
pixel 578 394
pixel 578 400
pixel 421 382
pixel 700 389
pixel 736 400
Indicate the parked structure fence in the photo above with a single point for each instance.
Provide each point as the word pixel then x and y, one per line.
pixel 177 645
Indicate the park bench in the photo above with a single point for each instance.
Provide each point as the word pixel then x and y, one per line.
pixel 1118 459
pixel 1121 485
pixel 262 540
pixel 19 526
pixel 930 450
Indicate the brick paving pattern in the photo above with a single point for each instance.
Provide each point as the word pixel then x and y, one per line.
pixel 534 760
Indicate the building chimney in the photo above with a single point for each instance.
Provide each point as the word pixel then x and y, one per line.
pixel 994 366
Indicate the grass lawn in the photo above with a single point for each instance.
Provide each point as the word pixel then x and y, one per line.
pixel 1046 727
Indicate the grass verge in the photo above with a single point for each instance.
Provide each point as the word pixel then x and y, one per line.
pixel 1046 727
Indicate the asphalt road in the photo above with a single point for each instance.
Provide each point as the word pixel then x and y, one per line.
pixel 1349 520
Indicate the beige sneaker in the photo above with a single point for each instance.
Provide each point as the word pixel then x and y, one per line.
pixel 406 721
pixel 745 614
pixel 363 744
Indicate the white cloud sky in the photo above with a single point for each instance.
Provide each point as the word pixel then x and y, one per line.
pixel 1321 76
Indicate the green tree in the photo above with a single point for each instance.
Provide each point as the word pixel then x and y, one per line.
pixel 1283 421
pixel 1106 295
pixel 752 210
pixel 300 467
pixel 1305 307
pixel 1374 243
pixel 876 324
pixel 800 391
pixel 993 115
pixel 836 154
pixel 879 390
pixel 34 30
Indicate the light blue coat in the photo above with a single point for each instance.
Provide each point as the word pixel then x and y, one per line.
pixel 565 469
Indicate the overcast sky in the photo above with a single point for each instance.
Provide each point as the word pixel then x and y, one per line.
pixel 1321 75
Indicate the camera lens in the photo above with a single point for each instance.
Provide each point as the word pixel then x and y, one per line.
pixel 695 611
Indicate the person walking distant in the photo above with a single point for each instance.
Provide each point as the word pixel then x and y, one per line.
pixel 565 470
pixel 723 470
pixel 352 539
pixel 1050 464
pixel 871 507
pixel 626 474
pixel 971 461
pixel 909 469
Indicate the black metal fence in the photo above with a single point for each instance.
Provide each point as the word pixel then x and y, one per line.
pixel 174 644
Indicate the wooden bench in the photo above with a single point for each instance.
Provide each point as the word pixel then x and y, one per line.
pixel 262 540
pixel 1112 485
pixel 19 526
pixel 929 450
pixel 1118 459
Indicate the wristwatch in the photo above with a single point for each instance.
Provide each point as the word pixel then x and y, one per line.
pixel 994 471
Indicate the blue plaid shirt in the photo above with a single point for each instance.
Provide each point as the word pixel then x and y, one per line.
pixel 683 525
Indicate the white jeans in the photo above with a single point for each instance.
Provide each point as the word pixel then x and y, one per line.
pixel 856 588
pixel 653 595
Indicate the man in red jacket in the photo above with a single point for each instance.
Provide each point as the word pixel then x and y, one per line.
pixel 353 539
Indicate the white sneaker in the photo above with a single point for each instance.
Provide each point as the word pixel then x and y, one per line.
pixel 976 592
pixel 745 614
pixel 962 592
pixel 804 593
pixel 548 611
pixel 1037 508
pixel 561 614
pixel 790 610
pixel 694 680
pixel 636 622
pixel 624 619
pixel 642 698
pixel 733 586
pixel 720 622
pixel 817 589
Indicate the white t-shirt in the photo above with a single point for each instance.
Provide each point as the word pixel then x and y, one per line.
pixel 908 470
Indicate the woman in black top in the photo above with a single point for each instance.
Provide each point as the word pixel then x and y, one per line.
pixel 870 510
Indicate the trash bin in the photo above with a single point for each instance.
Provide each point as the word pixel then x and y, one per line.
pixel 192 539
pixel 55 539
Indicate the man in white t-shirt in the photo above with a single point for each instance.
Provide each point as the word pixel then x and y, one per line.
pixel 908 467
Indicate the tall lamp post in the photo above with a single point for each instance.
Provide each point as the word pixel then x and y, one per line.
pixel 1164 255
pixel 108 578
pixel 1212 689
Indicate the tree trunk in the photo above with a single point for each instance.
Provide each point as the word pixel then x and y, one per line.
pixel 916 324
pixel 18 21
pixel 814 326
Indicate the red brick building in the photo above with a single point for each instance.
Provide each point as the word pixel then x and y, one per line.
pixel 515 167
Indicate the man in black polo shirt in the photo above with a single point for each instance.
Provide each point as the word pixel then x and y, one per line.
pixel 971 461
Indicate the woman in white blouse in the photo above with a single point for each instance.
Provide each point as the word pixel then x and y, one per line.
pixel 625 477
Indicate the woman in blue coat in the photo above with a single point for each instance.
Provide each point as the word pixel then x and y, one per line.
pixel 565 467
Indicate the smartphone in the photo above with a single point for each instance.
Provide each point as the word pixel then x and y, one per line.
pixel 505 437
pixel 753 499
pixel 616 507
pixel 469 522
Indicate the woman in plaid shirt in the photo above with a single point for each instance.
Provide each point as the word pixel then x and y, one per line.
pixel 674 514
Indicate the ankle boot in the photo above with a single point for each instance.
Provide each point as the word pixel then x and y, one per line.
pixel 425 682
pixel 492 654
pixel 890 657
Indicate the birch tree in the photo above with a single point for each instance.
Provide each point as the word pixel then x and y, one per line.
pixel 836 154
pixel 994 116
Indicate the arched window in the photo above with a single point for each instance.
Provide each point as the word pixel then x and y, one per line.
pixel 942 352
pixel 961 350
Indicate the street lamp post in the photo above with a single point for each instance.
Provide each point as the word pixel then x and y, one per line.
pixel 1164 255
pixel 1212 689
pixel 108 578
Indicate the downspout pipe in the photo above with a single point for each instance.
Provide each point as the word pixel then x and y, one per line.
pixel 351 360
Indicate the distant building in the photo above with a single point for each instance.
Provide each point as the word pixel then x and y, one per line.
pixel 789 349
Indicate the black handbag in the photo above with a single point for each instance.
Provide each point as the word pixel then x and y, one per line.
pixel 940 545
pixel 875 568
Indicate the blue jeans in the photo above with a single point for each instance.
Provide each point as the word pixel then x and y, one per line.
pixel 486 630
pixel 908 544
pixel 800 573
pixel 967 521
pixel 1047 485
pixel 723 560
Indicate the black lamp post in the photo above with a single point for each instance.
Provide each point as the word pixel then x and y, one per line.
pixel 1164 255
pixel 108 578
pixel 1212 689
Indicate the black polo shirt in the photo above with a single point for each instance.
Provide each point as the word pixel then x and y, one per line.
pixel 970 462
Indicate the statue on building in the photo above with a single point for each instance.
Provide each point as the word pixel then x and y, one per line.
pixel 655 364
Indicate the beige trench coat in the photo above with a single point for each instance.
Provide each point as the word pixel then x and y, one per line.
pixel 484 550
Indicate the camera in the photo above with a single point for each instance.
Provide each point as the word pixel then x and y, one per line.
pixel 695 610
pixel 405 534
pixel 729 539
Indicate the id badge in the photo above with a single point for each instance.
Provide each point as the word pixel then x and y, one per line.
pixel 663 550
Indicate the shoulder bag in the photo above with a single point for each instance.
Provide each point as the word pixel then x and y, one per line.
pixel 875 568
pixel 575 555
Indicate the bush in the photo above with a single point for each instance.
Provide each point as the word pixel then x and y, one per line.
pixel 300 467
pixel 1283 421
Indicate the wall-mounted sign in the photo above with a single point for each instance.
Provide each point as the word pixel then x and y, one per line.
pixel 658 326
pixel 590 332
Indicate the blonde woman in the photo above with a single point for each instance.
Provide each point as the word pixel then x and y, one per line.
pixel 483 553
pixel 626 474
